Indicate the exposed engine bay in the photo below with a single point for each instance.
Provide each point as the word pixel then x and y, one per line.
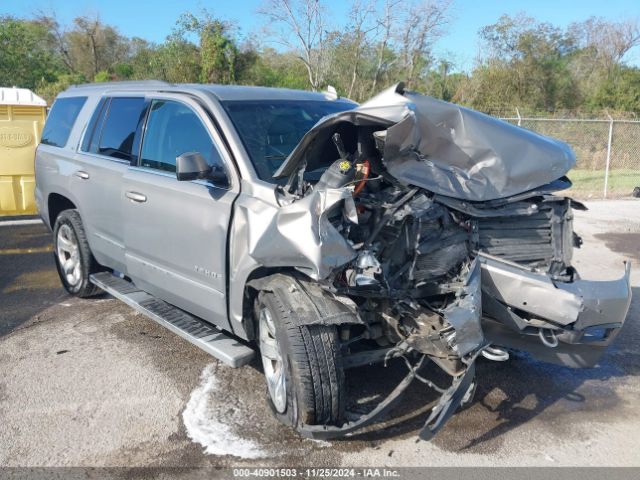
pixel 475 265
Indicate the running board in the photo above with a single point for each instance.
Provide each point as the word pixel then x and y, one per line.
pixel 200 333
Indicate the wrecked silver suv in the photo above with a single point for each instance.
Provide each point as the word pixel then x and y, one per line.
pixel 326 235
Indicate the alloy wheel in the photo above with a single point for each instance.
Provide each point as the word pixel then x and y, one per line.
pixel 272 361
pixel 68 254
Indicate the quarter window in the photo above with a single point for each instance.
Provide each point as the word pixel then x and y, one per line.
pixel 118 135
pixel 92 134
pixel 60 120
pixel 173 129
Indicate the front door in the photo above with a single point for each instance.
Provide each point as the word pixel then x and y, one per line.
pixel 176 231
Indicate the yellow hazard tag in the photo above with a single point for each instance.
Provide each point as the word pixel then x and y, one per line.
pixel 344 166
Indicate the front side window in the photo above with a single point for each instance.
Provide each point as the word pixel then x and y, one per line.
pixel 173 129
pixel 60 120
pixel 118 133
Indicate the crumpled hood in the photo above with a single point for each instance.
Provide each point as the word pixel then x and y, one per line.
pixel 445 148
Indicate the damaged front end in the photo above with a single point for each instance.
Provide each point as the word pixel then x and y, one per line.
pixel 436 227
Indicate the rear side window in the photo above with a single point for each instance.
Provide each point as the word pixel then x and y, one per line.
pixel 118 137
pixel 60 120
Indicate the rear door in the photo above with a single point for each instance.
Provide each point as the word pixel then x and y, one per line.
pixel 176 232
pixel 109 145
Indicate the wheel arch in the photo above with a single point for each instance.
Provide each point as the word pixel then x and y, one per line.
pixel 250 293
pixel 57 203
pixel 314 305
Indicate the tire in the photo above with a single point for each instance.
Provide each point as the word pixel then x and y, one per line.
pixel 74 260
pixel 314 390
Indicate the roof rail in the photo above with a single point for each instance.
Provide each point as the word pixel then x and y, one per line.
pixel 131 83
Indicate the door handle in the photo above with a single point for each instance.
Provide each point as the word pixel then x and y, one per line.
pixel 136 197
pixel 82 174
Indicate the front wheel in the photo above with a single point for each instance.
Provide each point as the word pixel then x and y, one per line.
pixel 302 366
pixel 74 260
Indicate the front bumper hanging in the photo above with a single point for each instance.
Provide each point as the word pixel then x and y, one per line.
pixel 567 323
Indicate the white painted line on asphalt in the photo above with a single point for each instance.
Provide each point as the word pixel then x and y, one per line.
pixel 13 223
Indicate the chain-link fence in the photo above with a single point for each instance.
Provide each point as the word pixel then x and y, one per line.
pixel 607 152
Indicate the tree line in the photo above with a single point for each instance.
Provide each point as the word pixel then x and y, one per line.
pixel 521 61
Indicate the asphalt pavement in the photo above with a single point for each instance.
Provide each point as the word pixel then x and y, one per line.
pixel 92 383
pixel 28 280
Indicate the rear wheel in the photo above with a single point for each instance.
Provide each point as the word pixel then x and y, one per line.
pixel 302 366
pixel 73 256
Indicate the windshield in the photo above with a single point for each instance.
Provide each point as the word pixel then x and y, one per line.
pixel 270 129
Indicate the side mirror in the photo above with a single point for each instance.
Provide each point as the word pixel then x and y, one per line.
pixel 219 176
pixel 193 166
